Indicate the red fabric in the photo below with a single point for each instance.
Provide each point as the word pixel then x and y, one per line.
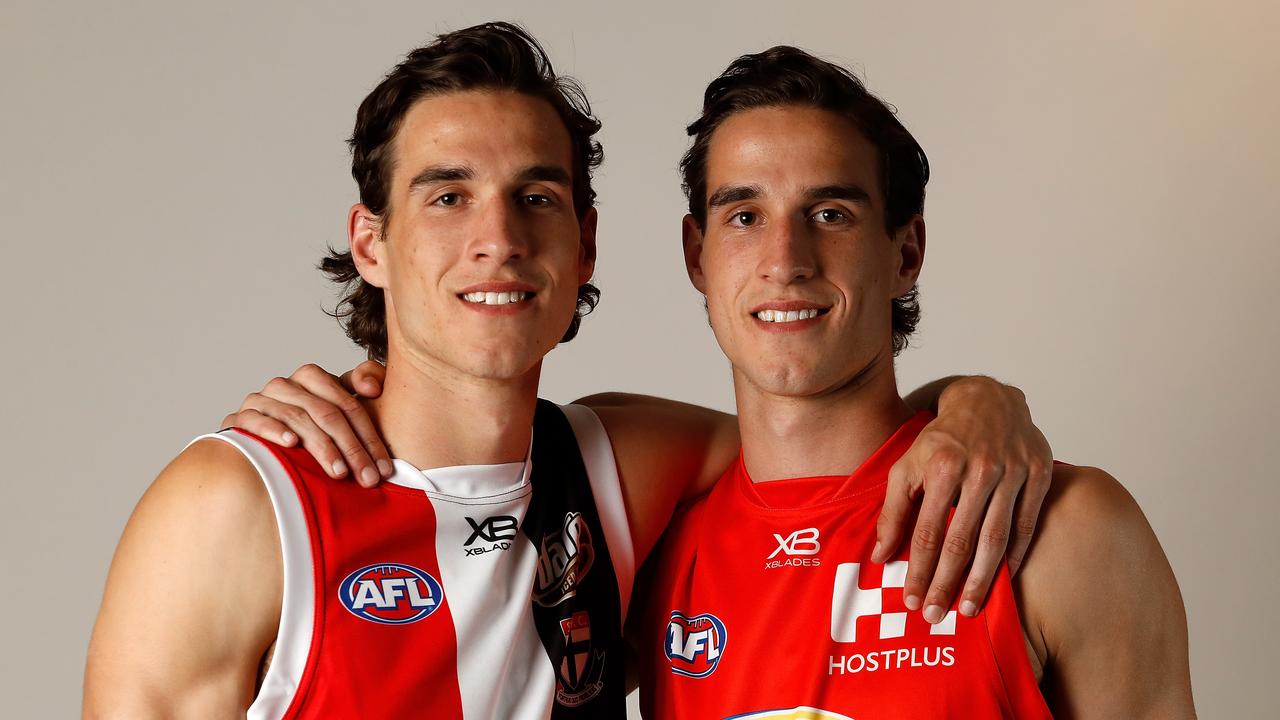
pixel 357 667
pixel 779 656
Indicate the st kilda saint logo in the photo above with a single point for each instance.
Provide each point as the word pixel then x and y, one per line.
pixel 564 558
pixel 390 593
pixel 494 533
pixel 578 678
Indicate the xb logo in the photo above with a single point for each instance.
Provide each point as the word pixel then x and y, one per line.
pixel 800 542
pixel 496 532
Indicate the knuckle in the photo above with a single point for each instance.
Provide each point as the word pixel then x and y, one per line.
pixel 275 386
pixel 928 538
pixel 353 452
pixel 996 537
pixel 308 371
pixel 941 592
pixel 349 405
pixel 294 416
pixel 328 414
pixel 988 471
pixel 1026 526
pixel 958 545
pixel 946 465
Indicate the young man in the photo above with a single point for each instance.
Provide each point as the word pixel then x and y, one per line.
pixel 781 613
pixel 489 577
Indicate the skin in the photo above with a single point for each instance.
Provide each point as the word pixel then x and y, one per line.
pixel 480 200
pixel 795 389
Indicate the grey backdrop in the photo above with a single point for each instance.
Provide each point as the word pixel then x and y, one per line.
pixel 1099 234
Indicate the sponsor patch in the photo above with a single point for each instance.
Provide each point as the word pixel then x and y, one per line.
pixel 564 558
pixel 390 593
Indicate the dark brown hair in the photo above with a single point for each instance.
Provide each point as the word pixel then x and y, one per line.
pixel 786 75
pixel 491 56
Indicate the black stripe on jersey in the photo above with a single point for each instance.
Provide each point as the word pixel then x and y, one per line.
pixel 576 608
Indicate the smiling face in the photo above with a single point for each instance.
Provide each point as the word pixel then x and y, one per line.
pixel 797 267
pixel 482 254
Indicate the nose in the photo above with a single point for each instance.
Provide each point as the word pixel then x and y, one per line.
pixel 500 235
pixel 787 255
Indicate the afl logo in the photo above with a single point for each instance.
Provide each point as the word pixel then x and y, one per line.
pixel 390 593
pixel 694 644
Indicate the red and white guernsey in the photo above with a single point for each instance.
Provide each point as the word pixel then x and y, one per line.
pixel 766 605
pixel 493 591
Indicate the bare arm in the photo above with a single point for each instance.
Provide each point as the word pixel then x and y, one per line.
pixel 1102 607
pixel 982 455
pixel 193 596
pixel 667 452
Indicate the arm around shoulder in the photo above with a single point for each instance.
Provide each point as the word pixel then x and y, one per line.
pixel 193 596
pixel 1099 599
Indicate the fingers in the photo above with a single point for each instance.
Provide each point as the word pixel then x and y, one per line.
pixel 1027 512
pixel 296 417
pixel 992 541
pixel 365 379
pixel 341 417
pixel 958 545
pixel 899 501
pixel 261 425
pixel 941 486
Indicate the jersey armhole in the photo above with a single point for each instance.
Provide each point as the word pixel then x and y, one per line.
pixel 297 606
pixel 602 473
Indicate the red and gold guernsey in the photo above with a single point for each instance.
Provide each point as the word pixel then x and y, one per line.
pixel 766 604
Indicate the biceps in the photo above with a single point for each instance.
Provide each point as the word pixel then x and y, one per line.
pixel 1133 664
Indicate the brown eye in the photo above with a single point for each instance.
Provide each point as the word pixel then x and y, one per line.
pixel 744 218
pixel 449 199
pixel 830 215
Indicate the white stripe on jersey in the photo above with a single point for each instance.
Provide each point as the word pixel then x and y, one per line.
pixel 606 488
pixel 503 670
pixel 297 607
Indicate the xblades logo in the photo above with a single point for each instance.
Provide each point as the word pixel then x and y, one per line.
pixel 799 547
pixel 496 532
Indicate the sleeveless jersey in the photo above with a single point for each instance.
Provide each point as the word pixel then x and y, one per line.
pixel 490 591
pixel 765 604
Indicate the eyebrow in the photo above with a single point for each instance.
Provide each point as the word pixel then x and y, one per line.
pixel 452 173
pixel 545 173
pixel 852 193
pixel 728 194
pixel 440 173
pixel 731 194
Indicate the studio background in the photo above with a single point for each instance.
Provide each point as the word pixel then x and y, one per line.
pixel 1099 234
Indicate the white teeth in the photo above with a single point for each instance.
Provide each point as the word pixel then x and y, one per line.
pixel 781 316
pixel 495 298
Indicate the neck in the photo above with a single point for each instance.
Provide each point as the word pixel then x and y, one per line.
pixel 432 415
pixel 829 433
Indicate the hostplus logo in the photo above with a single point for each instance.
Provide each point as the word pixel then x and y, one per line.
pixel 862 614
pixel 798 550
pixel 495 533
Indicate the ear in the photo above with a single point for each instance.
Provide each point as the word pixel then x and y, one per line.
pixel 691 235
pixel 587 246
pixel 909 241
pixel 364 235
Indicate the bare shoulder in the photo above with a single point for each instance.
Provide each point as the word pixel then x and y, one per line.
pixel 1099 600
pixel 666 452
pixel 167 624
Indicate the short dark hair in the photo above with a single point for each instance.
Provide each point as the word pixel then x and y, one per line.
pixel 490 56
pixel 785 75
